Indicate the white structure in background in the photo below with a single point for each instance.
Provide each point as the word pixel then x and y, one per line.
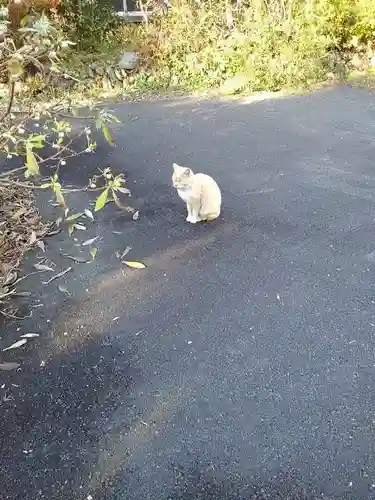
pixel 131 12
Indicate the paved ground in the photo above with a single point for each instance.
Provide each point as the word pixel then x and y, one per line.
pixel 242 361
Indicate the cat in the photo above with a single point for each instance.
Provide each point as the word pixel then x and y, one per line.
pixel 200 192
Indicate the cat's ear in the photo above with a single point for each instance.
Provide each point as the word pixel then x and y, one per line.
pixel 187 172
pixel 175 166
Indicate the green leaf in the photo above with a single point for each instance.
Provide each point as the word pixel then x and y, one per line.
pixel 15 69
pixel 37 141
pixel 123 190
pixel 93 252
pixel 59 196
pixel 107 135
pixel 101 200
pixel 74 216
pixel 134 264
pixel 46 185
pixel 31 163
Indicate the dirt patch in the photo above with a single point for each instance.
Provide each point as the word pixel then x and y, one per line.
pixel 21 227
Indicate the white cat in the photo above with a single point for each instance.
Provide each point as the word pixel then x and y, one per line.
pixel 200 193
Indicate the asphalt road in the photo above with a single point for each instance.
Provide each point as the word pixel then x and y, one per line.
pixel 241 363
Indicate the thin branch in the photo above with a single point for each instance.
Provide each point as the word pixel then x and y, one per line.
pixel 12 316
pixel 20 184
pixel 10 102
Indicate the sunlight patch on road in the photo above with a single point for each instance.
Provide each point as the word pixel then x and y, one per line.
pixel 120 291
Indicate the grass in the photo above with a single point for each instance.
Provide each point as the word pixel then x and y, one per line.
pixel 256 45
pixel 199 47
pixel 205 45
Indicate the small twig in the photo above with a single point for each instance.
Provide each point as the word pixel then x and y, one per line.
pixel 20 184
pixel 12 316
pixel 76 117
pixel 10 102
pixel 26 276
pixel 12 292
pixel 57 276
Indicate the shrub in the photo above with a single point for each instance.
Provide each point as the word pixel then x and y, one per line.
pixel 249 45
pixel 89 22
pixel 40 132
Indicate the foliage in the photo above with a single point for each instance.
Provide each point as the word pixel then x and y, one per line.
pixel 90 23
pixel 40 44
pixel 42 135
pixel 248 44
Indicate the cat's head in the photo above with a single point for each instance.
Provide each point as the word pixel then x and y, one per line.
pixel 182 176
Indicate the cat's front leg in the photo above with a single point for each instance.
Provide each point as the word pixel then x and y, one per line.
pixel 193 216
pixel 189 211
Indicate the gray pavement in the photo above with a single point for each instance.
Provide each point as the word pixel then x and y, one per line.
pixel 241 363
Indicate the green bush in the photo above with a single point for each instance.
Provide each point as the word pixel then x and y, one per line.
pixel 254 45
pixel 89 22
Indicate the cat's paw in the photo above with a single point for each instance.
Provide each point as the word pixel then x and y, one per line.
pixel 193 220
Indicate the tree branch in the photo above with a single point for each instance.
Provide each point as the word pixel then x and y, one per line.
pixel 10 102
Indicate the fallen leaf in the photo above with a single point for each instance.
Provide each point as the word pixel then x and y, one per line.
pixel 22 294
pixel 90 241
pixel 52 233
pixel 29 335
pixel 74 257
pixel 81 227
pixel 71 229
pixel 58 221
pixel 63 289
pixel 125 252
pixel 89 213
pixel 16 344
pixel 93 252
pixel 123 190
pixel 9 366
pixel 136 215
pixel 11 278
pixel 74 217
pixel 18 213
pixel 116 232
pixel 32 237
pixel 40 244
pixel 134 264
pixel 43 267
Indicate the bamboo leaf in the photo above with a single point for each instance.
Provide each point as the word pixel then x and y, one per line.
pixel 107 135
pixel 101 200
pixel 19 343
pixel 31 163
pixel 134 264
pixel 74 216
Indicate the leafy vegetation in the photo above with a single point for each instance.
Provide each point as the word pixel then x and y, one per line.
pixel 251 45
pixel 89 23
pixel 39 136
